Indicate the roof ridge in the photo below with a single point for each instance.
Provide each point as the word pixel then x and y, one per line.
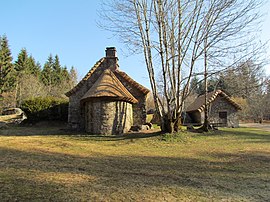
pixel 86 77
pixel 230 100
pixel 210 99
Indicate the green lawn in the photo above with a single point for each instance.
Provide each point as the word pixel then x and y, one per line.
pixel 46 164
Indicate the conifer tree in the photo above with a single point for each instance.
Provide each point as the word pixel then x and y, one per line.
pixel 56 71
pixel 194 84
pixel 7 77
pixel 21 65
pixel 34 67
pixel 65 74
pixel 73 77
pixel 21 68
pixel 46 73
pixel 26 64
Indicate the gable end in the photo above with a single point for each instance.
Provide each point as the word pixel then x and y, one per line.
pixel 86 77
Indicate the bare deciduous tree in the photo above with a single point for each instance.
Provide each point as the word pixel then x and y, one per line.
pixel 172 36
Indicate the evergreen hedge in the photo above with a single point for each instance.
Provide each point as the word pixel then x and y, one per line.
pixel 45 109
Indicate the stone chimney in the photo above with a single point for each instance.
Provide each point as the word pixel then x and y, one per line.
pixel 111 57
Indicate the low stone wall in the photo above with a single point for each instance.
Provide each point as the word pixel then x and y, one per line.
pixel 108 117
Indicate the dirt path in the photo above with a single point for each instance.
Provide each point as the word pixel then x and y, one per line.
pixel 264 126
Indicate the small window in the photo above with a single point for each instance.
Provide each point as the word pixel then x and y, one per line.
pixel 222 115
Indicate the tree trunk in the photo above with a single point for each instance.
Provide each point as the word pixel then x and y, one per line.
pixel 177 123
pixel 205 126
pixel 167 125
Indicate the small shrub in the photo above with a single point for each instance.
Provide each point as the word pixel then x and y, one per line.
pixel 45 109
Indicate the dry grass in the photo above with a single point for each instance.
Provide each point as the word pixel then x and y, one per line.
pixel 45 164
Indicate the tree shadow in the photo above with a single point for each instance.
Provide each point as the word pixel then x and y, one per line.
pixel 126 136
pixel 23 130
pixel 243 176
pixel 64 131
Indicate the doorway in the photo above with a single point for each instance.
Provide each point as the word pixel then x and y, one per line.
pixel 223 118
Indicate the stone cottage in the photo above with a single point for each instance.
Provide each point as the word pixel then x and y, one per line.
pixel 222 110
pixel 107 100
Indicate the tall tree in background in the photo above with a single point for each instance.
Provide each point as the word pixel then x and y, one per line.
pixel 26 79
pixel 65 74
pixel 214 83
pixel 243 79
pixel 57 79
pixel 26 70
pixel 194 85
pixel 21 67
pixel 267 100
pixel 7 77
pixel 73 77
pixel 26 64
pixel 21 64
pixel 56 71
pixel 247 82
pixel 34 67
pixel 47 72
pixel 172 36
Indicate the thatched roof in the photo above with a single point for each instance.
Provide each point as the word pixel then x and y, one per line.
pixel 199 103
pixel 85 78
pixel 133 82
pixel 108 86
pixel 138 86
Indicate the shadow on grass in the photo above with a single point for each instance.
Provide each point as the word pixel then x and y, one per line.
pixel 127 136
pixel 16 130
pixel 247 134
pixel 35 175
pixel 62 131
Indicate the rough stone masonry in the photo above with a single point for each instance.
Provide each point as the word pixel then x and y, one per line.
pixel 107 100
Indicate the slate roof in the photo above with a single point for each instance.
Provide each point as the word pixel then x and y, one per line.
pixel 199 103
pixel 138 86
pixel 108 85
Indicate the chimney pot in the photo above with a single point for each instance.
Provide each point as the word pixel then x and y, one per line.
pixel 111 58
pixel 111 52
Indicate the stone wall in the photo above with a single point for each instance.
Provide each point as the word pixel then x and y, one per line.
pixel 222 105
pixel 75 117
pixel 139 109
pixel 108 117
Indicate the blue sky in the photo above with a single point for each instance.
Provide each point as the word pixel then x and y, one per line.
pixel 68 28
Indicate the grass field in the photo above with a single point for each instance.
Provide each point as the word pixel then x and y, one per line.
pixel 46 164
